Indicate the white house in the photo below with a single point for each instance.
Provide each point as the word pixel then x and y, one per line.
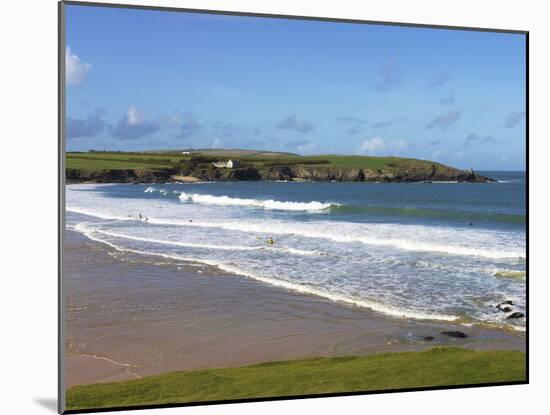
pixel 186 153
pixel 229 164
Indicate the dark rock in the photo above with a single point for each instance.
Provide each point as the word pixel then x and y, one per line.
pixel 245 174
pixel 515 314
pixel 504 306
pixel 455 333
pixel 118 176
pixel 428 338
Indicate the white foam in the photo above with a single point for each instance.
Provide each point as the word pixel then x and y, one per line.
pixel 444 182
pixel 265 204
pixel 85 228
pixel 372 305
pixel 321 231
pixel 518 328
pixel 96 214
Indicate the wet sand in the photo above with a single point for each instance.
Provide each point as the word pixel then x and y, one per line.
pixel 129 316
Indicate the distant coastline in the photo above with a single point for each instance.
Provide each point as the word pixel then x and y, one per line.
pixel 248 165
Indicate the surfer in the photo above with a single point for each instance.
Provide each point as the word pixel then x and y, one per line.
pixel 270 241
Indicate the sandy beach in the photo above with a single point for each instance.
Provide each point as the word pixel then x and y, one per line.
pixel 129 316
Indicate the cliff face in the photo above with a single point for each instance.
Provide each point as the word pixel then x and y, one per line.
pixel 327 173
pixel 426 173
pixel 118 176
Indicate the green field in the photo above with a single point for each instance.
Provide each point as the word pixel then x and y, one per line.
pixel 434 367
pixel 115 160
pixel 168 159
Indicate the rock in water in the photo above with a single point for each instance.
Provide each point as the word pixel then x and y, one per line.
pixel 505 306
pixel 515 314
pixel 455 333
pixel 507 302
pixel 428 338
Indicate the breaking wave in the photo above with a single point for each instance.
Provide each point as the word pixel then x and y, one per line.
pixel 320 231
pixel 265 204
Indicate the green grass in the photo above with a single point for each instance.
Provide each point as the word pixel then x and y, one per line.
pixel 91 164
pixel 434 367
pixel 106 161
pixel 356 161
pixel 173 158
pixel 370 162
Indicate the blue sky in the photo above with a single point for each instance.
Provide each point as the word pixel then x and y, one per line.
pixel 141 80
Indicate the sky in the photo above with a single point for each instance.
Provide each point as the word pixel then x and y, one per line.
pixel 146 80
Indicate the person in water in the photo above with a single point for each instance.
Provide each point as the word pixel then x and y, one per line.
pixel 270 241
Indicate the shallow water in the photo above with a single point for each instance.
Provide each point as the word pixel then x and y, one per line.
pixel 427 251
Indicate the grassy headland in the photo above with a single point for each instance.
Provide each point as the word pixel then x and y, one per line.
pixel 100 166
pixel 434 367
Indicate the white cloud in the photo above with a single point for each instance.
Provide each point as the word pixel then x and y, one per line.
pixel 133 116
pixel 373 145
pixel 76 71
pixel 134 124
pixel 379 146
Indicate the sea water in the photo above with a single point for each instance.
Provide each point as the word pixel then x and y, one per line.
pixel 438 251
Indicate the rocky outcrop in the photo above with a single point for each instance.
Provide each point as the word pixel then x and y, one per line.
pixel 117 176
pixel 246 174
pixel 506 307
pixel 350 174
pixel 428 173
pixel 515 314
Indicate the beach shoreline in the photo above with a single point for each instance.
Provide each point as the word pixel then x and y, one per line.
pixel 130 316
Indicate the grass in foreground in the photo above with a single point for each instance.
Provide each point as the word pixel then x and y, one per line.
pixel 434 367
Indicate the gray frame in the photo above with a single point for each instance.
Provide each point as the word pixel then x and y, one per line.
pixel 61 201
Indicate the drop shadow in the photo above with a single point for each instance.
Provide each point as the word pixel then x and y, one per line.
pixel 48 403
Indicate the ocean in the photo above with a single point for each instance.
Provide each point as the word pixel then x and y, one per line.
pixel 428 251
